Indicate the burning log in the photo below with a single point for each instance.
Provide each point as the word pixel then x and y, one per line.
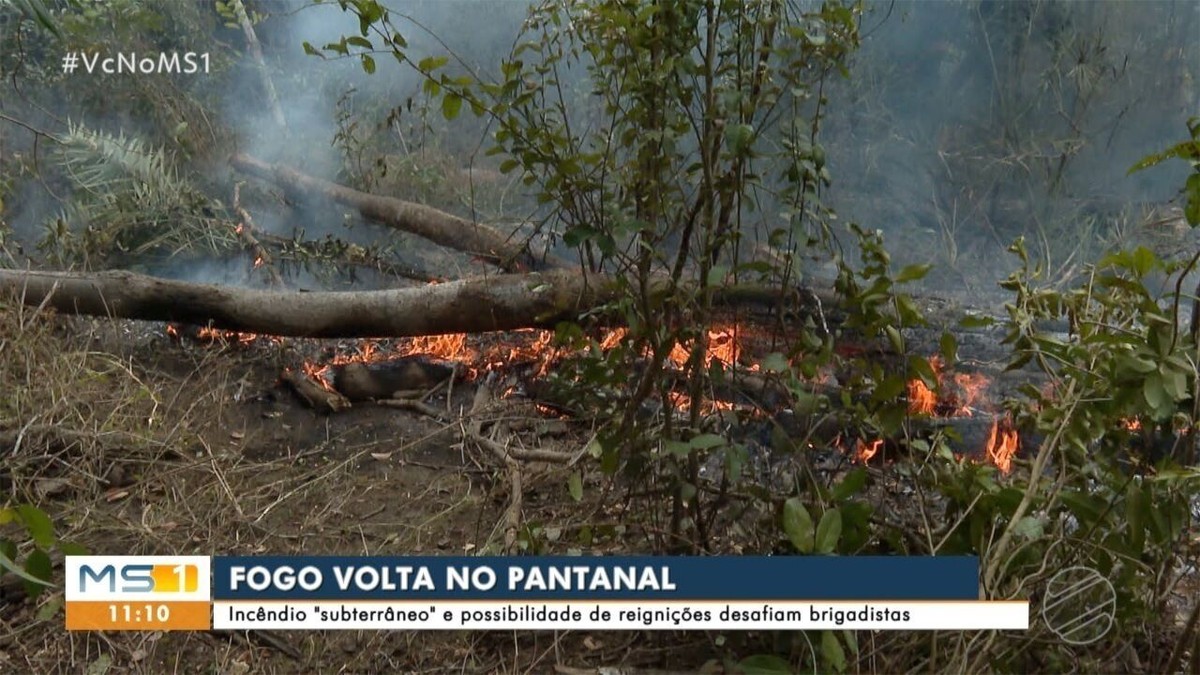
pixel 437 226
pixel 315 395
pixel 359 381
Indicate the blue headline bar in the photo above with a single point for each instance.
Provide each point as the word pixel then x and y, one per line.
pixel 595 578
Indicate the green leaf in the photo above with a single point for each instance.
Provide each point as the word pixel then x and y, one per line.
pixel 889 389
pixel 38 565
pixel 734 459
pixel 431 63
pixel 1191 209
pixel 923 370
pixel 368 64
pixel 949 348
pixel 50 608
pixel 1187 150
pixel 1138 365
pixel 1143 260
pixel 677 448
pixel 829 531
pixel 895 338
pixel 1029 528
pixel 832 652
pixel 706 441
pixel 739 137
pixel 764 664
pixel 717 274
pixel 775 363
pixel 38 524
pixel 1137 509
pixel 7 564
pixel 8 549
pixel 913 273
pixel 976 321
pixel 851 641
pixel 1087 508
pixel 42 15
pixel 575 486
pixel 798 525
pixel 850 485
pixel 1175 384
pixel 71 548
pixel 451 105
pixel 100 666
pixel 369 12
pixel 1156 395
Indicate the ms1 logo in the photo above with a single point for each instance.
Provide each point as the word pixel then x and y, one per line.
pixel 128 578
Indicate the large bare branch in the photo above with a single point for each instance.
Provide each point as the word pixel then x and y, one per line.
pixel 481 304
pixel 476 305
pixel 437 226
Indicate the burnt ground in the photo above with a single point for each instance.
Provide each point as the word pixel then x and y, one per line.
pixel 136 443
pixel 200 450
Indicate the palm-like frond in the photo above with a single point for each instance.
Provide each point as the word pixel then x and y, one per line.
pixel 134 201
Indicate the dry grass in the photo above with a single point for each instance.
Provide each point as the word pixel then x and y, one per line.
pixel 135 445
pixel 131 458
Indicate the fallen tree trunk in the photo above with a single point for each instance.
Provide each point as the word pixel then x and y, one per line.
pixel 476 305
pixel 437 226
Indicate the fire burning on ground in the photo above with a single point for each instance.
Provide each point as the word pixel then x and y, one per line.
pixel 956 394
pixel 961 395
pixel 210 335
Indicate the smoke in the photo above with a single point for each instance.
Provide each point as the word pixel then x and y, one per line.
pixel 964 125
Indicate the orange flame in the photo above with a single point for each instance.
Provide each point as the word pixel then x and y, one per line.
pixel 723 346
pixel 962 394
pixel 864 452
pixel 965 392
pixel 210 334
pixel 973 387
pixel 921 399
pixel 317 374
pixel 1001 446
pixel 613 338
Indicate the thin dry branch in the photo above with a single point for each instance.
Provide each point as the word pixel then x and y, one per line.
pixel 437 226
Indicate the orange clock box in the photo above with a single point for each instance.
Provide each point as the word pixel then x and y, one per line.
pixel 133 615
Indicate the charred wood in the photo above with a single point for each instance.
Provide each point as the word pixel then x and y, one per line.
pixel 382 380
pixel 317 397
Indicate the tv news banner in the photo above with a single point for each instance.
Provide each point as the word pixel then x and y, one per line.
pixel 531 593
